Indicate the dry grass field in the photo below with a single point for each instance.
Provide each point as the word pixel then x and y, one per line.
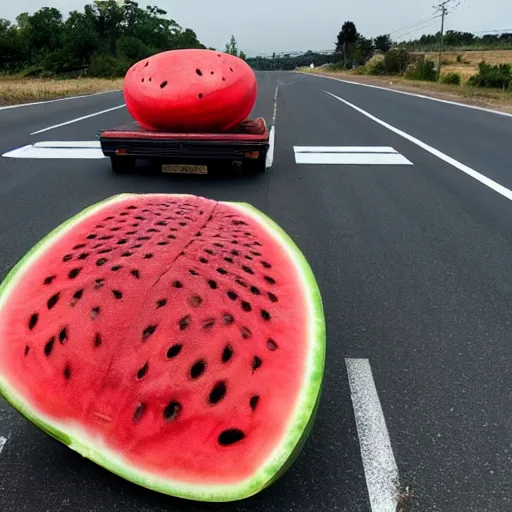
pixel 26 90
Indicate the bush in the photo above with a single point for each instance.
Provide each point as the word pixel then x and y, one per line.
pixel 498 76
pixel 376 68
pixel 451 78
pixel 107 66
pixel 422 70
pixel 396 61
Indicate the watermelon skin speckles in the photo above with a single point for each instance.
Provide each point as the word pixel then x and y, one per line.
pixel 177 341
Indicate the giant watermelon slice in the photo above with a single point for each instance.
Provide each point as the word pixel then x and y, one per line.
pixel 190 91
pixel 177 341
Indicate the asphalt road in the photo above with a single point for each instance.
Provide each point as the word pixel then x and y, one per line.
pixel 414 266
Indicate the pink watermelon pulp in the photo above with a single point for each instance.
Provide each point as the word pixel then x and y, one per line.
pixel 177 341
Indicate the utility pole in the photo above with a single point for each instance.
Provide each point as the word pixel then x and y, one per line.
pixel 444 12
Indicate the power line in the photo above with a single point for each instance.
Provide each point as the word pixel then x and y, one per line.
pixel 421 27
pixel 411 25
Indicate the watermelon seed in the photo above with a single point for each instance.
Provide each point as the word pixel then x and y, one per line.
pixel 234 242
pixel 255 290
pixel 135 273
pixel 218 245
pixel 229 260
pixel 265 315
pixel 77 296
pixel 177 284
pixel 212 72
pixel 67 372
pixel 63 335
pixel 108 218
pixel 139 217
pixel 184 322
pixel 270 280
pixel 97 340
pixel 49 279
pixel 163 84
pixel 143 371
pixel 199 72
pixel 183 224
pixel 271 345
pixel 148 331
pixel 83 256
pixel 161 303
pixel 272 297
pixel 203 260
pixel 49 346
pixel 227 319
pixel 208 324
pixel 253 402
pixel 246 333
pixel 131 207
pixel 256 253
pixel 27 349
pixel 136 225
pixel 223 79
pixel 104 251
pixel 217 393
pixel 256 363
pixel 195 301
pixel 231 69
pixel 123 214
pixel 234 252
pixel 171 237
pixel 122 241
pixel 222 271
pixel 142 238
pixel 232 295
pixel 246 306
pixel 115 268
pixel 131 232
pixel 200 95
pixel 91 237
pixel 248 257
pixel 231 436
pixel 174 351
pixel 53 300
pixel 95 311
pixel 74 273
pixel 172 411
pixel 209 251
pixel 126 254
pixel 98 283
pixel 99 226
pixel 241 283
pixel 139 411
pixel 117 294
pixel 106 237
pixel 212 284
pixel 161 223
pixel 148 256
pixel 101 262
pixel 198 369
pixel 67 257
pixel 115 229
pixel 79 246
pixel 153 230
pixel 266 265
pixel 162 243
pixel 195 273
pixel 227 354
pixel 247 269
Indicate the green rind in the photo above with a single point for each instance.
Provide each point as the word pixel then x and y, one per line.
pixel 78 440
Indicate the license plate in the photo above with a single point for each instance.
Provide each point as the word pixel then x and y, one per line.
pixel 184 169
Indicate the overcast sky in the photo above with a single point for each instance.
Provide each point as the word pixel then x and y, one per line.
pixel 265 26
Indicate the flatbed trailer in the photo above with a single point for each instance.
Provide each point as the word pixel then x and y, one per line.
pixel 244 148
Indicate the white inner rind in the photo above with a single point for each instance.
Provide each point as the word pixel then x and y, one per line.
pixel 93 447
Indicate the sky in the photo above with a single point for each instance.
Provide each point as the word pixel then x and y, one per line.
pixel 266 26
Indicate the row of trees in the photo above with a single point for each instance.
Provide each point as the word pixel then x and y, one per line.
pixel 458 40
pixel 104 39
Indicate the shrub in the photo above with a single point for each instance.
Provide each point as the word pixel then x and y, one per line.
pixel 422 70
pixel 107 66
pixel 376 68
pixel 451 78
pixel 498 76
pixel 396 61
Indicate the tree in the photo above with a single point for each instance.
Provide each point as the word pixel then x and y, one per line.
pixel 232 47
pixel 363 51
pixel 383 43
pixel 346 41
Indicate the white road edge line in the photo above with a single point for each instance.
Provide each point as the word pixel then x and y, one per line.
pixel 380 469
pixel 344 149
pixel 351 159
pixel 9 107
pixel 78 119
pixel 272 136
pixel 505 192
pixel 3 440
pixel 416 95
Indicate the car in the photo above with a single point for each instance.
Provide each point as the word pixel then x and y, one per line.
pixel 244 148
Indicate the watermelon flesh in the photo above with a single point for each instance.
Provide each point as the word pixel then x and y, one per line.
pixel 177 341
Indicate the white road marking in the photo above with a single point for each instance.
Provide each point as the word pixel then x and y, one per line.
pixel 272 136
pixel 348 155
pixel 78 119
pixel 33 151
pixel 69 144
pixel 416 95
pixel 505 192
pixel 380 469
pixel 9 107
pixel 3 440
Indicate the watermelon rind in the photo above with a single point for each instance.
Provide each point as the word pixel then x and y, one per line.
pixel 302 418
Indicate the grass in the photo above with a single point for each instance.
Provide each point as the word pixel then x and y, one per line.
pixel 15 90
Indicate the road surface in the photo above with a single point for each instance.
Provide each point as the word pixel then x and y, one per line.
pixel 412 250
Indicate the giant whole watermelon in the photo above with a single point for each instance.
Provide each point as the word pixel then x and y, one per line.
pixel 190 91
pixel 177 341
